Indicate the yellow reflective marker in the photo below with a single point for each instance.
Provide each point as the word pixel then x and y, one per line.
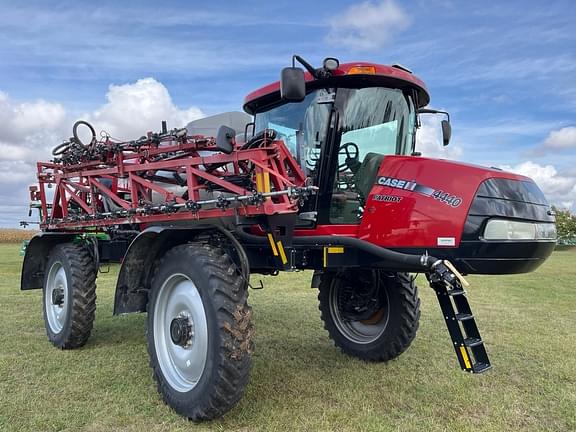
pixel 259 185
pixel 335 249
pixel 466 358
pixel 272 244
pixel 282 253
pixel 331 250
pixel 266 182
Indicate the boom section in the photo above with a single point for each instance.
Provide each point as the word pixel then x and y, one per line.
pixel 159 179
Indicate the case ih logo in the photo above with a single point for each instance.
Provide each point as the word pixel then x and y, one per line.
pixel 445 197
pixel 396 183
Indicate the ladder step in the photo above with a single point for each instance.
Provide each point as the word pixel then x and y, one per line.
pixel 481 367
pixel 466 339
pixel 472 342
pixel 464 316
pixel 456 292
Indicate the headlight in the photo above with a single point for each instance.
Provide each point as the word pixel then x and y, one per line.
pixel 546 231
pixel 502 229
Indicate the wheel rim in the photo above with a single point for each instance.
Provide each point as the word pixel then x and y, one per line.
pixel 56 297
pixel 180 332
pixel 360 332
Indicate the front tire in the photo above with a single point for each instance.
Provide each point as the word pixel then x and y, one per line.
pixel 370 314
pixel 69 295
pixel 199 331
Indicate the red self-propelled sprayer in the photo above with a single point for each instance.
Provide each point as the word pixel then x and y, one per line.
pixel 325 178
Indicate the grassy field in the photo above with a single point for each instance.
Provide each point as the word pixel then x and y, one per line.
pixel 299 380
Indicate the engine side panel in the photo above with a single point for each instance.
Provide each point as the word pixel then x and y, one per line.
pixel 421 202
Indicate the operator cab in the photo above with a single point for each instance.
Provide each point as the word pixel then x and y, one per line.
pixel 341 128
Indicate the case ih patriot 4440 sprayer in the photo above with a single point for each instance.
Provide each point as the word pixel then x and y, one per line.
pixel 326 179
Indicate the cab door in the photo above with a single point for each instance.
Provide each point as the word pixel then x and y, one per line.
pixel 370 123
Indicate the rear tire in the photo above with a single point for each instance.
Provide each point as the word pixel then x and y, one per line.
pixel 199 331
pixel 69 295
pixel 387 319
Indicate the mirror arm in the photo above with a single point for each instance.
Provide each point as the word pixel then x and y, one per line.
pixel 433 111
pixel 313 71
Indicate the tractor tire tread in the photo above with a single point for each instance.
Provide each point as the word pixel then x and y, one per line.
pixel 407 322
pixel 82 278
pixel 225 288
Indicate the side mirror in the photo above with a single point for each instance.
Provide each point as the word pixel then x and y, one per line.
pixel 446 127
pixel 292 84
pixel 225 139
pixel 446 132
pixel 251 125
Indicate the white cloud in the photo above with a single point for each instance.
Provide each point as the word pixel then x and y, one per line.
pixel 368 25
pixel 561 139
pixel 559 189
pixel 134 109
pixel 13 152
pixel 14 173
pixel 20 121
pixel 29 130
pixel 429 141
pixel 38 116
pixel 558 140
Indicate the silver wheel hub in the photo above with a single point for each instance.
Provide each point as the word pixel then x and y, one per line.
pixel 56 298
pixel 180 332
pixel 358 331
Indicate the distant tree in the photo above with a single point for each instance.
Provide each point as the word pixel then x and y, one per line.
pixel 566 226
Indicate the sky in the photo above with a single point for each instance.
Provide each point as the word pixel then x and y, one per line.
pixel 506 72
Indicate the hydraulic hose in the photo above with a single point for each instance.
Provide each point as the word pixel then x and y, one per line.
pixel 417 262
pixel 244 262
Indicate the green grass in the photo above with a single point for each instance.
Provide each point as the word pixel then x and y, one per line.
pixel 299 380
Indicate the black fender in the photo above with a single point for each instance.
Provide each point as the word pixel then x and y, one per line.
pixel 36 257
pixel 137 267
pixel 316 278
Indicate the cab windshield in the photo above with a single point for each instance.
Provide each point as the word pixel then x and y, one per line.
pixel 373 122
pixel 376 119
